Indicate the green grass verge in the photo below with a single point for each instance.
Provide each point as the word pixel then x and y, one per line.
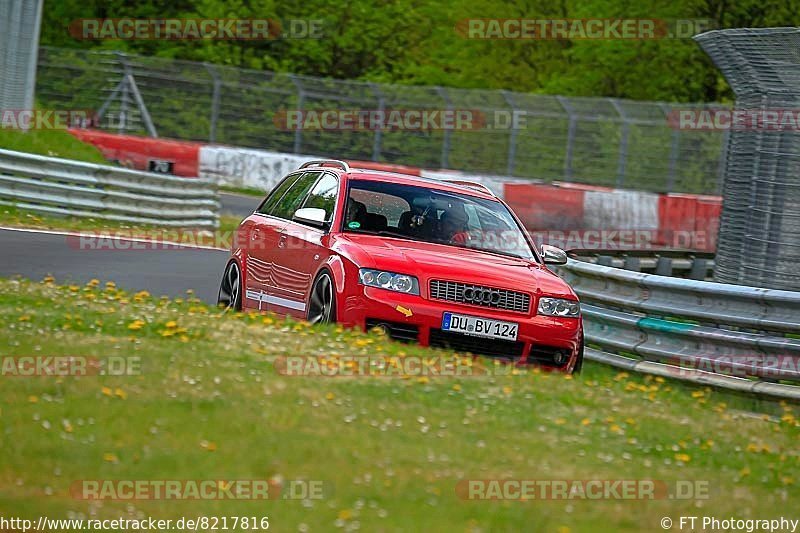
pixel 210 405
pixel 52 143
pixel 247 191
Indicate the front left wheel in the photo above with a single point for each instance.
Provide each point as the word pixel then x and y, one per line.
pixel 322 302
pixel 230 289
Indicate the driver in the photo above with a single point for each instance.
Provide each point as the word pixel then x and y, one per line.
pixel 453 225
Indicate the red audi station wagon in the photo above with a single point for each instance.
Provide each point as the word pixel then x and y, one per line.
pixel 436 262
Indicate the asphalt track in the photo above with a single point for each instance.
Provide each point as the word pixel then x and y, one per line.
pixel 35 254
pixel 238 204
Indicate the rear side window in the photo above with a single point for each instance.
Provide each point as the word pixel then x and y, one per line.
pixel 293 198
pixel 323 195
pixel 277 193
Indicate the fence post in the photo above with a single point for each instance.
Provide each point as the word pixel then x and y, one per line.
pixel 123 105
pixel 376 141
pixel 215 97
pixel 674 148
pixel 512 138
pixel 570 137
pixel 301 97
pixel 148 121
pixel 623 142
pixel 447 132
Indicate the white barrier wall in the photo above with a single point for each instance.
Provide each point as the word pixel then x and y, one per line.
pixel 239 167
pixel 620 209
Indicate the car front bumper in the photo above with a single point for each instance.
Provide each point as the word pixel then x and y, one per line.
pixel 541 340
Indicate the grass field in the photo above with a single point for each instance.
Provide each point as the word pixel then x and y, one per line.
pixel 52 143
pixel 209 404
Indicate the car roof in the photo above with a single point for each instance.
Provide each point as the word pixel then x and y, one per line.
pixel 419 181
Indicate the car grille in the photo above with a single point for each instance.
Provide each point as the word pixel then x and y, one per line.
pixel 476 345
pixel 466 293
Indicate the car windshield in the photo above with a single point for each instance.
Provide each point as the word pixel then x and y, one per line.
pixel 435 216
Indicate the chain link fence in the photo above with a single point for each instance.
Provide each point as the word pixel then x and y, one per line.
pixel 759 238
pixel 19 41
pixel 599 141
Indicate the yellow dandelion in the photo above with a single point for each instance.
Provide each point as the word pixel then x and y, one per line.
pixel 585 422
pixel 106 391
pixel 683 457
pixel 121 394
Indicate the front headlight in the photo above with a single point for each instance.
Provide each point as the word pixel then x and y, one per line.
pixel 388 280
pixel 559 307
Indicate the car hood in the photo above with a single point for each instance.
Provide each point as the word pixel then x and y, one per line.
pixel 437 261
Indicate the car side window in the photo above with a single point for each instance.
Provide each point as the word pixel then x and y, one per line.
pixel 277 193
pixel 323 195
pixel 294 197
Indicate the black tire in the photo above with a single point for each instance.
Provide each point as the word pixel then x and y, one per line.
pixel 230 288
pixel 322 300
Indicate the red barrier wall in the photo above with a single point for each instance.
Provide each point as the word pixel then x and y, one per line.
pixel 545 207
pixel 137 152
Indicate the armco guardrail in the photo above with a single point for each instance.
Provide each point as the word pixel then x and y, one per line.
pixel 63 187
pixel 731 336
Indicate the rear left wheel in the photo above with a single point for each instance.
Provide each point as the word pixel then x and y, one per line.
pixel 322 302
pixel 230 289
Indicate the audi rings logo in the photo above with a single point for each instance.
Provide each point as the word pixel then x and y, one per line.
pixel 481 296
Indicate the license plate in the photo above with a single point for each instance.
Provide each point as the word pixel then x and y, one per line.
pixel 480 327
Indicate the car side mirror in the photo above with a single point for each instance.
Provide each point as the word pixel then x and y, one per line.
pixel 313 216
pixel 553 256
